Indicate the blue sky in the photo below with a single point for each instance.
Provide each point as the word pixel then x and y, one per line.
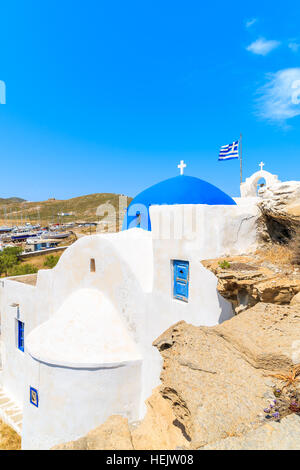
pixel 109 96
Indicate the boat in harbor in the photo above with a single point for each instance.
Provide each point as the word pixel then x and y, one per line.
pixel 5 229
pixel 22 235
pixel 56 235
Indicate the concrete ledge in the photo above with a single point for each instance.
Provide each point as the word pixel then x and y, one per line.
pixel 42 252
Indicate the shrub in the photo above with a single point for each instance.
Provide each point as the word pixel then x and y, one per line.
pixel 224 264
pixel 23 269
pixel 51 261
pixel 9 257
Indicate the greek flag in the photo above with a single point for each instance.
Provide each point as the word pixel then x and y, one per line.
pixel 227 152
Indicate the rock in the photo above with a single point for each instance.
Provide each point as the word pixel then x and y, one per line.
pixel 283 435
pixel 215 384
pixel 266 334
pixel 217 378
pixel 207 382
pixel 296 299
pixel 113 434
pixel 280 208
pixel 246 283
pixel 159 430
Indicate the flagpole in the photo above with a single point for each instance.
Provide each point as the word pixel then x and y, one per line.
pixel 241 161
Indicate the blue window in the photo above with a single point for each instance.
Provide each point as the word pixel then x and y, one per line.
pixel 138 219
pixel 34 397
pixel 21 335
pixel 181 280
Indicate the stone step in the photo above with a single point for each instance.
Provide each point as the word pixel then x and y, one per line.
pixel 4 400
pixel 10 412
pixel 17 418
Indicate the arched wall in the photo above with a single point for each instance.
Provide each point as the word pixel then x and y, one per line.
pixel 123 271
pixel 249 187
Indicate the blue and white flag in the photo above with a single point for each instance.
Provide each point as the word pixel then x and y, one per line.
pixel 227 152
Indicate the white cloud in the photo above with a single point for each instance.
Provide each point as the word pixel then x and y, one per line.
pixel 262 47
pixel 251 22
pixel 280 97
pixel 294 46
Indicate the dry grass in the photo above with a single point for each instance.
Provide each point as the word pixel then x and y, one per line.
pixel 9 439
pixel 277 254
pixel 289 378
pixel 39 261
pixel 86 230
pixel 295 247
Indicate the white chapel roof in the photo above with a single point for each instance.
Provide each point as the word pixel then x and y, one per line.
pixel 86 331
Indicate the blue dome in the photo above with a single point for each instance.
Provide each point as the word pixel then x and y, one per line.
pixel 178 190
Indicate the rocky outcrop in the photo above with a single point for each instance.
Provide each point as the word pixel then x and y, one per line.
pixel 160 428
pixel 215 383
pixel 284 435
pixel 280 208
pixel 218 379
pixel 296 299
pixel 245 281
pixel 267 335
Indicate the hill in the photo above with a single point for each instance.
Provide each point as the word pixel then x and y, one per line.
pixel 15 211
pixel 11 200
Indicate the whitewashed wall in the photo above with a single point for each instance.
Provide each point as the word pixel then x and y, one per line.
pixel 191 233
pixel 13 360
pixel 75 401
pixel 85 367
pixel 133 271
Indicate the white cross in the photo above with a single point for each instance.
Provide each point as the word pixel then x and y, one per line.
pixel 261 165
pixel 181 166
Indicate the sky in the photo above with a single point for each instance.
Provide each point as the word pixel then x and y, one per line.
pixel 110 96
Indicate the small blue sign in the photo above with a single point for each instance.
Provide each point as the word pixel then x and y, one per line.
pixel 34 397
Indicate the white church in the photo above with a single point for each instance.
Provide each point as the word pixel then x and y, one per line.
pixel 76 347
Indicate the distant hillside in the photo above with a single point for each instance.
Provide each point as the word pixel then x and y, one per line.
pixel 83 208
pixel 11 200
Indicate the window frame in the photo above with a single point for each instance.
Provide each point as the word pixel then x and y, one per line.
pixel 184 279
pixel 92 265
pixel 21 337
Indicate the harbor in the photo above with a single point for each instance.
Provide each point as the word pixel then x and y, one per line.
pixel 34 238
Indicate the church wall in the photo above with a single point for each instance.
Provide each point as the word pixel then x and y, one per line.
pixel 124 266
pixel 134 270
pixel 72 402
pixel 191 233
pixel 205 307
pixel 124 272
pixel 211 231
pixel 13 360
